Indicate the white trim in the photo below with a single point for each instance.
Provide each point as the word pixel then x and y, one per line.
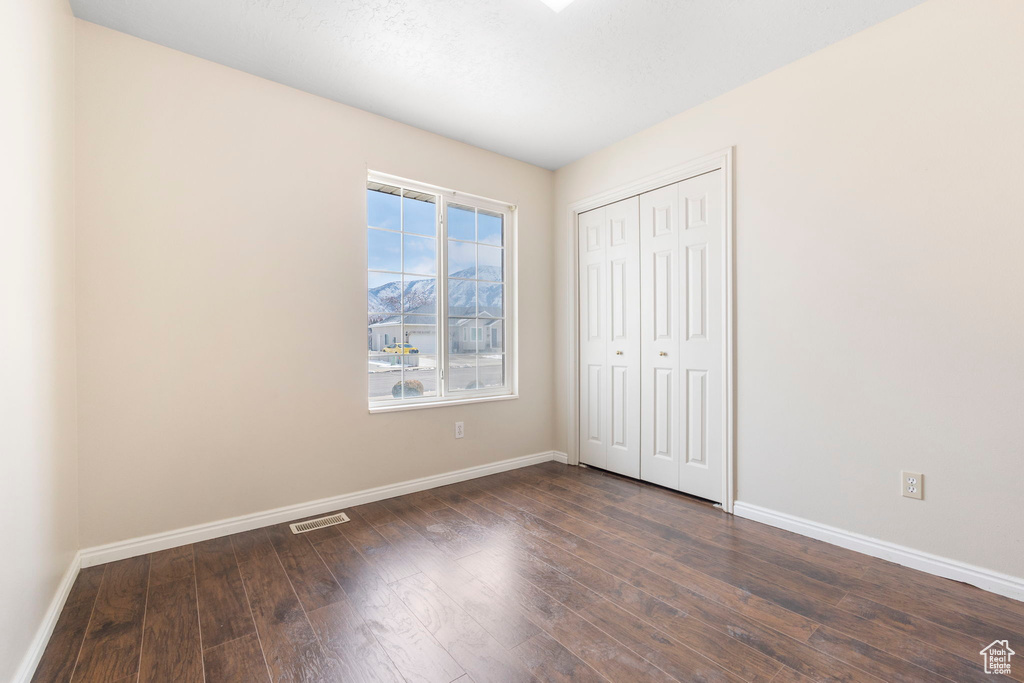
pixel 560 457
pixel 202 532
pixel 398 407
pixel 510 288
pixel 986 579
pixel 427 188
pixel 42 637
pixel 722 159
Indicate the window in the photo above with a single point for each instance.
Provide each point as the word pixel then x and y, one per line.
pixel 438 290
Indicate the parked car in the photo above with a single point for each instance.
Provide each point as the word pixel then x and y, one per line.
pixel 401 348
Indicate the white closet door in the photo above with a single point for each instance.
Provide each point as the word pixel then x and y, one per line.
pixel 683 415
pixel 610 337
pixel 623 223
pixel 702 333
pixel 660 294
pixel 593 269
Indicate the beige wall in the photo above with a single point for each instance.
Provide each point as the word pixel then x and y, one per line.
pixel 222 308
pixel 38 469
pixel 879 247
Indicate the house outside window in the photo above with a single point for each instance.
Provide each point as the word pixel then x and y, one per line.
pixel 440 287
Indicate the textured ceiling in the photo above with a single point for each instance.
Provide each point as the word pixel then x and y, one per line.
pixel 507 75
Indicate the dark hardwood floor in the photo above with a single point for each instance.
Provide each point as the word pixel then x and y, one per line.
pixel 548 573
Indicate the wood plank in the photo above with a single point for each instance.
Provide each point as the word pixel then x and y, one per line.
pixel 867 658
pixel 375 514
pixel 918 629
pixel 61 653
pixel 655 572
pixel 171 565
pixel 358 655
pixel 414 651
pixel 171 648
pixel 716 616
pixel 391 564
pixel 549 660
pixel 573 561
pixel 651 643
pixel 601 652
pixel 787 675
pixel 290 647
pixel 814 559
pixel 493 612
pixel 236 660
pixel 223 608
pixel 869 633
pixel 440 534
pixel 313 582
pixel 113 642
pixel 482 657
pixel 666 636
pixel 740 569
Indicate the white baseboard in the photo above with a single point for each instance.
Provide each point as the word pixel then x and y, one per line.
pixel 558 456
pixel 995 582
pixel 42 637
pixel 202 532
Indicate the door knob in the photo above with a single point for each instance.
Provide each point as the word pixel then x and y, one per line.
pixel 663 353
pixel 618 353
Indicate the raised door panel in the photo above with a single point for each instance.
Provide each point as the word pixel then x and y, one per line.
pixel 623 347
pixel 702 348
pixel 661 288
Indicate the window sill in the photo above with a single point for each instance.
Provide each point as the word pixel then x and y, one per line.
pixel 441 403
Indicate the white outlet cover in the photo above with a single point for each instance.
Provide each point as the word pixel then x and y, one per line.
pixel 460 430
pixel 912 485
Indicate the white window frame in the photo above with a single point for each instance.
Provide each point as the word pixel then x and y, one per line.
pixel 510 326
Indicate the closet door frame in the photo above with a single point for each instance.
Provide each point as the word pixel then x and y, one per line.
pixel 721 160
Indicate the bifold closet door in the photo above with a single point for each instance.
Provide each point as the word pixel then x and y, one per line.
pixel 682 246
pixel 609 282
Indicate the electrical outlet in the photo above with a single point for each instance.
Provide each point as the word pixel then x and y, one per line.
pixel 460 430
pixel 912 485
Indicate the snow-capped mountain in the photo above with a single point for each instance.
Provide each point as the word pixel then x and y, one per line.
pixel 421 295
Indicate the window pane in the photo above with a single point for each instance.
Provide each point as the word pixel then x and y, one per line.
pixel 462 372
pixel 490 263
pixel 420 295
pixel 420 255
pixel 490 371
pixel 383 331
pixel 385 372
pixel 384 250
pixel 384 293
pixel 492 338
pixel 383 209
pixel 462 297
pixel 461 259
pixel 463 334
pixel 420 378
pixel 420 213
pixel 489 227
pixel 490 299
pixel 420 335
pixel 461 222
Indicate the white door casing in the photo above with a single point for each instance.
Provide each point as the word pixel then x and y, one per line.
pixel 610 337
